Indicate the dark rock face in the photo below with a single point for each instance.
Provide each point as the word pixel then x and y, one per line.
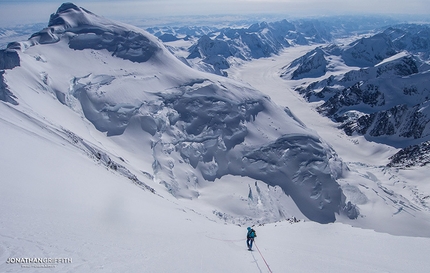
pixel 415 155
pixel 351 96
pixel 130 45
pixel 9 59
pixel 313 64
pixel 383 100
pixel 406 67
pixel 5 94
pixel 400 120
pixel 387 99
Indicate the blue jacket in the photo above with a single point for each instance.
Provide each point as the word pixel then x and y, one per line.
pixel 251 233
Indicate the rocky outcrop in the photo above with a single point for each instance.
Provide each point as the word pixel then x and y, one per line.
pixel 311 65
pixel 5 94
pixel 415 155
pixel 9 59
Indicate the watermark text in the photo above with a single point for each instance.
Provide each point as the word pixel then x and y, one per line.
pixel 38 262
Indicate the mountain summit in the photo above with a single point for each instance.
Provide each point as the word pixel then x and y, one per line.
pixel 189 127
pixel 87 30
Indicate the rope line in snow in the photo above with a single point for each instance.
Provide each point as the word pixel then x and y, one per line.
pixel 263 257
pixel 242 240
pixel 225 240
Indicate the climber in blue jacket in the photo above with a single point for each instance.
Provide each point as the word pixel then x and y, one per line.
pixel 250 237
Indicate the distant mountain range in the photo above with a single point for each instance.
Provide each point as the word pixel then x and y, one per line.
pixel 375 86
pixel 215 49
pixel 384 93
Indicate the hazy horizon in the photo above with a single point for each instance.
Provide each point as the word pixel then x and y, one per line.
pixel 27 12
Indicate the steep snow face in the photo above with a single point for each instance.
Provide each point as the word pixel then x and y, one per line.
pixel 412 38
pixel 196 127
pixel 368 51
pixel 214 54
pixel 312 65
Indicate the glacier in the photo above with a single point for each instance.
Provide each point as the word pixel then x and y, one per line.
pixel 198 127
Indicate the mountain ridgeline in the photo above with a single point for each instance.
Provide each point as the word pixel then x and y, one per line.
pixel 195 127
pixel 384 95
pixel 376 85
pixel 216 49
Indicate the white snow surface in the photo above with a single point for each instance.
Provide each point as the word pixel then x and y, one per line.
pixel 399 195
pixel 197 127
pixel 69 191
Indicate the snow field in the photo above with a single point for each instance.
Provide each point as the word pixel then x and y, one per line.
pixel 58 202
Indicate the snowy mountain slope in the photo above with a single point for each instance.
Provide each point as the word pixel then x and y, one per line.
pixel 82 211
pixel 390 199
pixel 368 51
pixel 364 52
pixel 412 38
pixel 312 65
pixel 196 127
pixel 70 192
pixel 181 32
pixel 221 48
pixel 387 100
pixel 216 49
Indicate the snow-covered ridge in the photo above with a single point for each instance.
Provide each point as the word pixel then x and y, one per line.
pixel 386 98
pixel 312 65
pixel 219 48
pixel 193 127
pixel 87 30
pixel 214 49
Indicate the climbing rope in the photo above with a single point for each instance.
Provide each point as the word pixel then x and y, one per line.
pixel 262 257
pixel 239 240
pixel 242 240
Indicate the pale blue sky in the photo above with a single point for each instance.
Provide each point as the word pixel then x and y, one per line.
pixel 24 11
